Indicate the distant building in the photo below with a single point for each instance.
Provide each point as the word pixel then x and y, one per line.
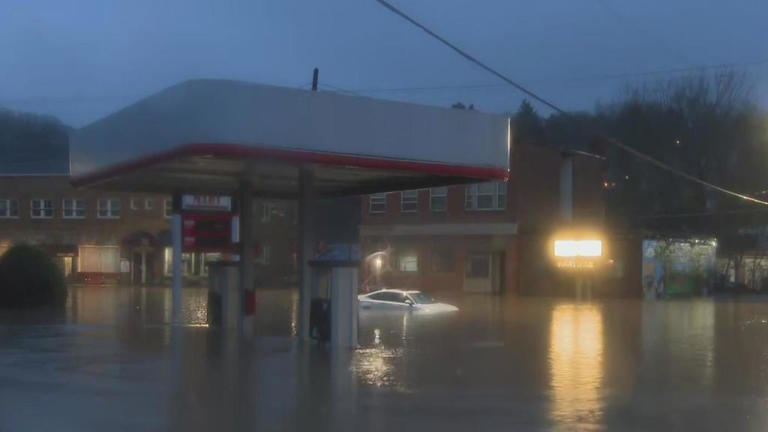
pixel 487 237
pixel 101 236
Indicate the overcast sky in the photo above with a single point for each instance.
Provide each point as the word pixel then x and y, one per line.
pixel 82 59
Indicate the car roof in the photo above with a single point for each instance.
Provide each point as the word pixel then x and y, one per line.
pixel 395 290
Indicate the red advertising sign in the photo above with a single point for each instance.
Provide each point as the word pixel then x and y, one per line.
pixel 207 231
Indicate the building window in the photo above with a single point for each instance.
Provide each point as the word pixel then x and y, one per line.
pixel 41 208
pixel 478 265
pixel 486 196
pixel 378 203
pixel 264 256
pixel 438 198
pixel 98 259
pixel 135 203
pixel 9 208
pixel 73 208
pixel 409 201
pixel 408 262
pixel 188 267
pixel 149 204
pixel 168 207
pixel 266 212
pixel 442 261
pixel 109 208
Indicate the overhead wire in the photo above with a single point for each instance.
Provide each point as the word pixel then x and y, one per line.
pixel 604 76
pixel 557 109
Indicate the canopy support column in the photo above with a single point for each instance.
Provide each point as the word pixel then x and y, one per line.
pixel 247 280
pixel 306 249
pixel 176 241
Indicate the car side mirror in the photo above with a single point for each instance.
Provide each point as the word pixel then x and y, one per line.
pixel 409 302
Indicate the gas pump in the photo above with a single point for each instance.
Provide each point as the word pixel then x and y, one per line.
pixel 333 311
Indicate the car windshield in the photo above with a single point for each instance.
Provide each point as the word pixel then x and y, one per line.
pixel 421 298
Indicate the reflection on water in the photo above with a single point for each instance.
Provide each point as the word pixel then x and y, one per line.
pixel 374 366
pixel 294 313
pixel 96 304
pixel 681 336
pixel 576 362
pixel 497 364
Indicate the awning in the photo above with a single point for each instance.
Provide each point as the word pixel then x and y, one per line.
pixel 274 172
pixel 207 136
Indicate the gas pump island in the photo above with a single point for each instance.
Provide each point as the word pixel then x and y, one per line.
pixel 214 145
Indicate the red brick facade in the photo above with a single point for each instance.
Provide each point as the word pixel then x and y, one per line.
pixel 511 240
pixel 140 228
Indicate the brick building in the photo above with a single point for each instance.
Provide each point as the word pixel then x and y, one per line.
pixel 101 236
pixel 490 237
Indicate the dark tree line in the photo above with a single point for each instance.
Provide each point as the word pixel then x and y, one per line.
pixel 31 143
pixel 705 125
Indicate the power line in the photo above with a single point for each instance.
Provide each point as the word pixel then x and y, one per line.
pixel 469 57
pixel 700 68
pixel 605 76
pixel 559 110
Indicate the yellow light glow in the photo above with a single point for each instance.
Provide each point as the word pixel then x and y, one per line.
pixel 576 362
pixel 577 248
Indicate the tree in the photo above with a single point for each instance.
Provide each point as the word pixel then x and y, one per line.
pixel 32 143
pixel 704 125
pixel 528 127
pixel 30 278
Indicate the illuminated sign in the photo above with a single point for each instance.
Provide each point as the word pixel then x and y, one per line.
pixel 206 203
pixel 578 248
pixel 206 231
pixel 575 264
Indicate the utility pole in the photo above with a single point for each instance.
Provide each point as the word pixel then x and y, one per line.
pixel 315 73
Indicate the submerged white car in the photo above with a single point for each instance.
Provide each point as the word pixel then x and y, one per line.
pixel 402 300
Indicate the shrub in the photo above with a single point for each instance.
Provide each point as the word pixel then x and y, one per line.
pixel 30 278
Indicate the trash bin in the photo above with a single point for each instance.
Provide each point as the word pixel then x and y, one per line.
pixel 320 319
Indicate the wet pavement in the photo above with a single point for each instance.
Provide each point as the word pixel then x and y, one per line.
pixel 112 362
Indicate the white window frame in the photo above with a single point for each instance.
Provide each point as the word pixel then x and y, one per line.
pixel 41 209
pixel 264 257
pixel 168 208
pixel 73 208
pixel 411 199
pixel 402 256
pixel 438 192
pixel 135 203
pixel 7 214
pixel 109 207
pixel 266 212
pixel 472 192
pixel 381 199
pixel 149 203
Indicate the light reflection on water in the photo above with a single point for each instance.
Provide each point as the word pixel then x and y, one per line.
pixel 374 366
pixel 96 304
pixel 498 363
pixel 576 362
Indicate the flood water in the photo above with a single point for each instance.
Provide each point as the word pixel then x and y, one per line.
pixel 112 362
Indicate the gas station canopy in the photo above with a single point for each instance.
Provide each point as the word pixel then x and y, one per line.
pixel 208 136
pixel 222 137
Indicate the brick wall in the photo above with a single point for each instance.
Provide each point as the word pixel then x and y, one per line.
pixel 279 231
pixel 532 202
pixel 89 230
